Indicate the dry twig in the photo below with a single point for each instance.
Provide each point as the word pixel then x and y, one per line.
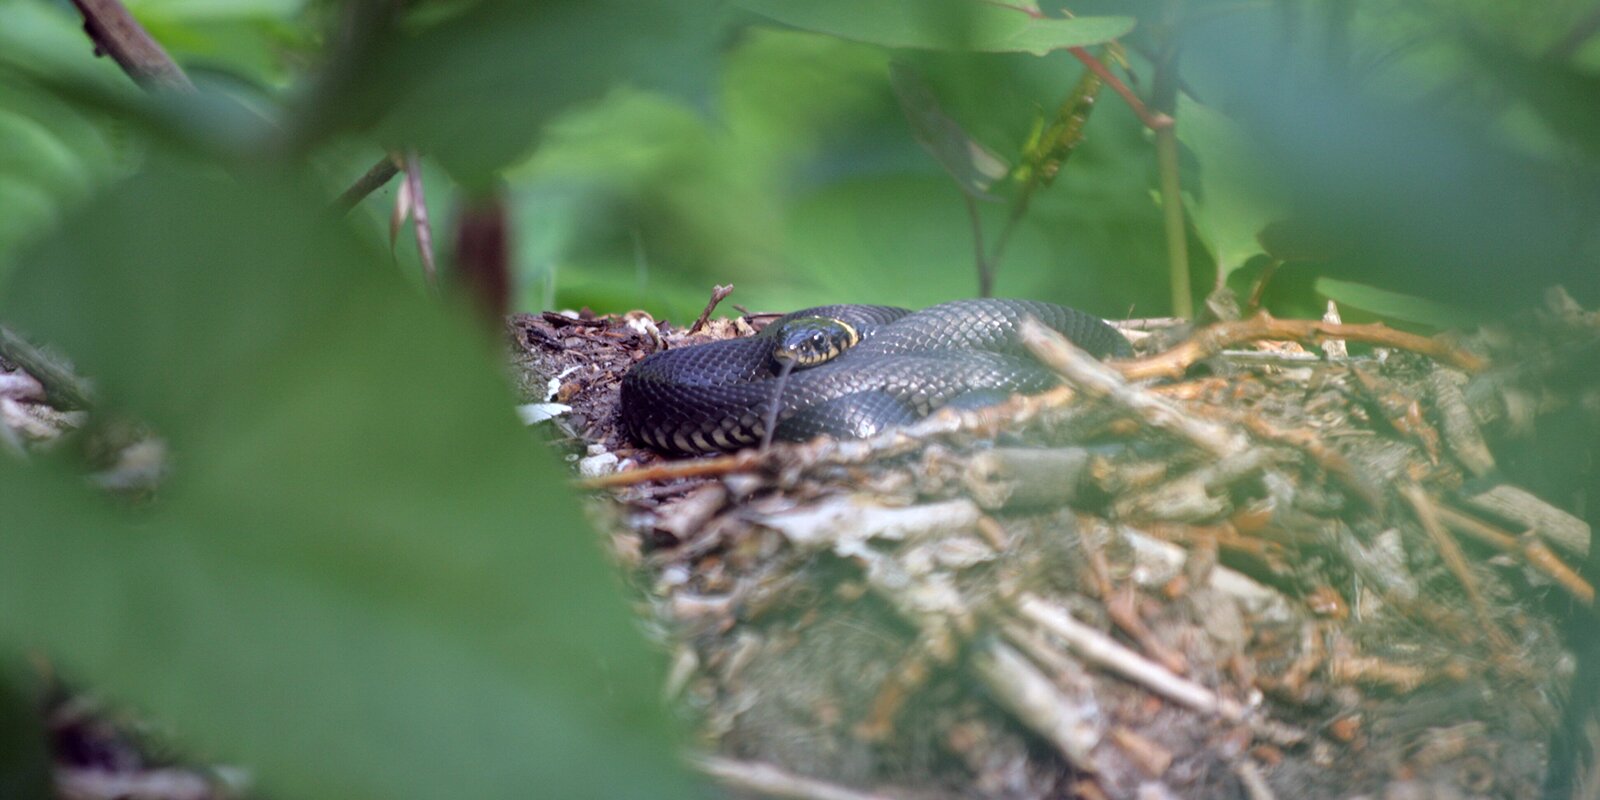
pixel 718 294
pixel 116 33
pixel 766 779
pixel 1425 509
pixel 370 181
pixel 1213 339
pixel 1530 547
pixel 62 388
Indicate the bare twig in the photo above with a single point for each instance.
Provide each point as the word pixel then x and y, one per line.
pixel 1518 505
pixel 1255 784
pixel 1213 339
pixel 1530 547
pixel 985 267
pixel 116 33
pixel 1102 380
pixel 742 461
pixel 419 211
pixel 1426 511
pixel 771 781
pixel 373 180
pixel 63 389
pixel 1073 725
pixel 1328 458
pixel 1260 288
pixel 1154 120
pixel 1100 649
pixel 104 784
pixel 718 294
pixel 1456 421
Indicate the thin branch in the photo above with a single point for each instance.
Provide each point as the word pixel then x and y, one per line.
pixel 1091 376
pixel 771 781
pixel 1532 549
pixel 1213 339
pixel 1101 650
pixel 1425 510
pixel 1154 120
pixel 116 33
pixel 718 294
pixel 373 180
pixel 985 268
pixel 63 389
pixel 419 213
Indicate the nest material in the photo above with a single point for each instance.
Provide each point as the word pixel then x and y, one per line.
pixel 1271 572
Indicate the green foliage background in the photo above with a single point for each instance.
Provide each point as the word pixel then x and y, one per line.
pixel 361 579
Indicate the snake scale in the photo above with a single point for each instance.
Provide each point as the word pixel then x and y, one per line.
pixel 906 364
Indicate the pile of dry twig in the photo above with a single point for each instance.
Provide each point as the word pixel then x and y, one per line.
pixel 1247 563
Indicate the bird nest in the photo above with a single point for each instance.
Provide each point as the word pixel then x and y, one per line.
pixel 1263 558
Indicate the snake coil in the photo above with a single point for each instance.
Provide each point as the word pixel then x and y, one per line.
pixel 713 397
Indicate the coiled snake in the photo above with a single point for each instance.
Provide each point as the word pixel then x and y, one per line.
pixel 881 366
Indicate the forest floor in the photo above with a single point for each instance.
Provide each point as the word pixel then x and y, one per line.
pixel 1264 558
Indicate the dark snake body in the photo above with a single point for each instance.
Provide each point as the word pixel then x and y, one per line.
pixel 712 397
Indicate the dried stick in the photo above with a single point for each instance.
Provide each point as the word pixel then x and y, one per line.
pixel 419 212
pixel 714 466
pixel 984 422
pixel 1101 650
pixel 984 265
pixel 1154 120
pixel 766 779
pixel 1425 509
pixel 1213 339
pixel 116 33
pixel 1102 380
pixel 1073 726
pixel 1255 784
pixel 1329 459
pixel 1461 432
pixel 1530 547
pixel 718 294
pixel 1518 505
pixel 63 389
pixel 373 180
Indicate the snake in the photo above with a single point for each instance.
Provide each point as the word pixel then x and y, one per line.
pixel 848 371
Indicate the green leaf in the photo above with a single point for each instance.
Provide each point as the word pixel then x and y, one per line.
pixel 362 579
pixel 942 24
pixel 475 90
pixel 1236 197
pixel 215 9
pixel 51 157
pixel 972 166
pixel 1394 305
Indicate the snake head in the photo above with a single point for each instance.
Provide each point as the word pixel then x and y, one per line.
pixel 809 341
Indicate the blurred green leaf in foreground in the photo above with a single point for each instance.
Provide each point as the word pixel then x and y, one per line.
pixel 362 580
